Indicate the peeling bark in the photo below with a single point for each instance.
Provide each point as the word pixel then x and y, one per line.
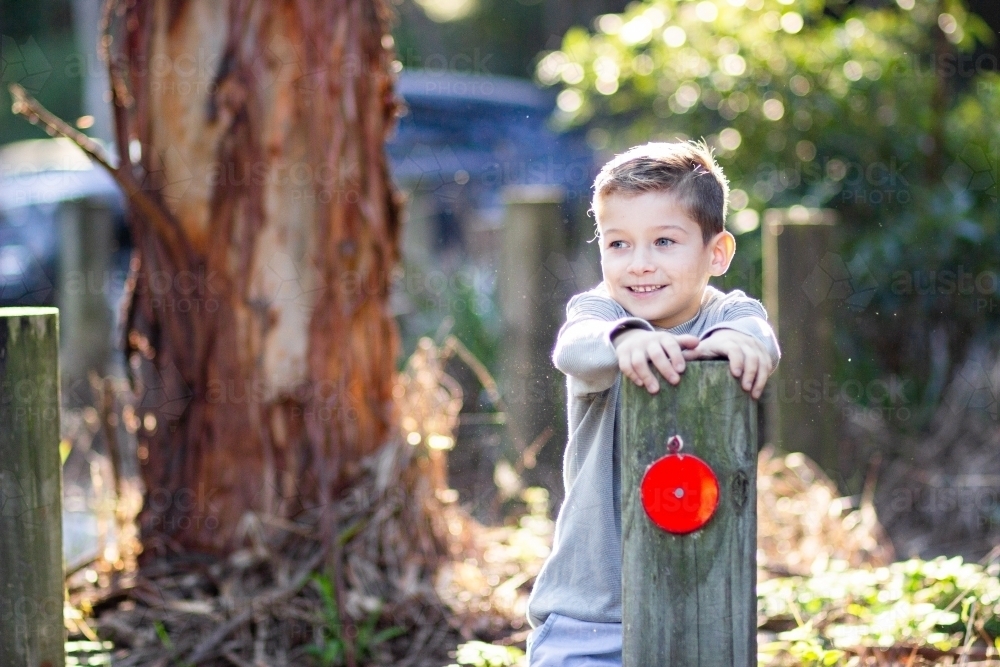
pixel 257 326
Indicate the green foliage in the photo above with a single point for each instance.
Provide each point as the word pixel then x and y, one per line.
pixel 51 67
pixel 162 635
pixel 493 37
pixel 88 653
pixel 887 114
pixel 331 647
pixel 439 302
pixel 481 654
pixel 912 603
pixel 782 82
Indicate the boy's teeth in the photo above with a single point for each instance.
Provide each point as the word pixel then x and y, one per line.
pixel 645 289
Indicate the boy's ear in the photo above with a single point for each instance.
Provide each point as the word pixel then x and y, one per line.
pixel 723 247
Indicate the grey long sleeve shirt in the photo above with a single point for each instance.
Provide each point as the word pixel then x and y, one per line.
pixel 582 576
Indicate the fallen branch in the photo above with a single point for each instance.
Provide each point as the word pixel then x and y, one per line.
pixel 163 223
pixel 208 644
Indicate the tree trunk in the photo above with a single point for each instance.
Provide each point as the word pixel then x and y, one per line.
pixel 256 330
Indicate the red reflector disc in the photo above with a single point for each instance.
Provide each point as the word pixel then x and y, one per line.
pixel 679 493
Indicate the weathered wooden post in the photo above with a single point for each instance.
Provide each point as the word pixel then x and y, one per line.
pixel 799 293
pixel 85 318
pixel 31 565
pixel 691 599
pixel 531 310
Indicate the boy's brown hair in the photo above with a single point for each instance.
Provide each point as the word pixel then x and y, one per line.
pixel 687 170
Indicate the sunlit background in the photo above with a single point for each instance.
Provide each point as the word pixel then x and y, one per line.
pixel 879 116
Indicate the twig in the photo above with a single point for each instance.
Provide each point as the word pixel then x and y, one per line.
pixel 453 344
pixel 423 634
pixel 289 526
pixel 991 556
pixel 75 567
pixel 164 225
pixel 27 106
pixel 969 637
pixel 104 387
pixel 235 659
pixel 958 598
pixel 339 592
pixel 121 631
pixel 981 631
pixel 528 459
pixel 868 492
pixel 207 645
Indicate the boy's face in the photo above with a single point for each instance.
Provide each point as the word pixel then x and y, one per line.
pixel 653 259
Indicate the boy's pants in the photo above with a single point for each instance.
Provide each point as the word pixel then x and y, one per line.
pixel 566 642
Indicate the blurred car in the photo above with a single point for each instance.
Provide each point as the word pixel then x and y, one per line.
pixel 39 180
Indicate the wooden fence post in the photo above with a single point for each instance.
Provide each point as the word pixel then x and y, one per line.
pixel 31 564
pixel 691 599
pixel 85 317
pixel 799 415
pixel 531 313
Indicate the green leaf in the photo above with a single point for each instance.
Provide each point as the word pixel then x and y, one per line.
pixel 164 637
pixel 387 634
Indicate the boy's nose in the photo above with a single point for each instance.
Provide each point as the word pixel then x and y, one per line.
pixel 641 263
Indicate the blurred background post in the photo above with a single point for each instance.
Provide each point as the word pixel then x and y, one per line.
pixel 798 417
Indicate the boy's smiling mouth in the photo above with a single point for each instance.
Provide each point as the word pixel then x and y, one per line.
pixel 644 289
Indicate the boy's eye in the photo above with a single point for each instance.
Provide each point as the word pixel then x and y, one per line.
pixel 664 241
pixel 613 244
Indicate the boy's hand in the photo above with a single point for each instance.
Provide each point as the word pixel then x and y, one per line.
pixel 747 357
pixel 637 347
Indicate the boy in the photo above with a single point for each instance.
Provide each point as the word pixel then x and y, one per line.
pixel 660 210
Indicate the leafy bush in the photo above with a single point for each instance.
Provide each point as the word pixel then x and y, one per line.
pixel 889 115
pixel 481 654
pixel 942 603
pixel 330 649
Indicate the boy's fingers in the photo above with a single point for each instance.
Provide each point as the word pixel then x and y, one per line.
pixel 661 361
pixel 641 368
pixel 625 366
pixel 687 341
pixel 762 373
pixel 628 370
pixel 736 362
pixel 673 350
pixel 694 353
pixel 750 366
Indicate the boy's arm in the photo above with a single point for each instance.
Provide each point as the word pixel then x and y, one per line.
pixel 745 338
pixel 748 316
pixel 584 350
